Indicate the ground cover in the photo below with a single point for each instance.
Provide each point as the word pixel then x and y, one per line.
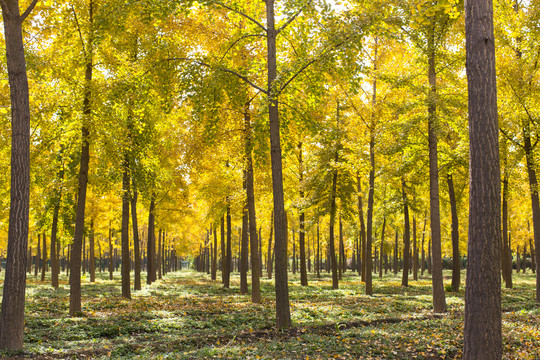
pixel 187 316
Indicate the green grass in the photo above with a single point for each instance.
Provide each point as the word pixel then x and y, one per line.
pixel 187 316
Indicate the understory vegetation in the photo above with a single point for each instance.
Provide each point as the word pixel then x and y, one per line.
pixel 187 316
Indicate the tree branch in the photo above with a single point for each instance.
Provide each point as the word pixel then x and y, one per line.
pixel 236 42
pixel 5 8
pixel 241 14
pixel 79 30
pixel 28 10
pixel 510 138
pixel 309 63
pixel 240 76
pixel 291 19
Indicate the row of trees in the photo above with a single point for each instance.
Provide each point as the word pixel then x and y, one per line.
pixel 315 111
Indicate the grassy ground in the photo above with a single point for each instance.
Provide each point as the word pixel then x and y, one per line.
pixel 186 316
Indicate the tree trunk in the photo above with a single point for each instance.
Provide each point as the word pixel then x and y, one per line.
pixel 396 252
pixel 255 249
pixel 228 256
pixel 283 312
pixel 12 313
pixel 214 256
pixel 91 257
pixel 75 305
pixel 270 257
pixel 506 252
pixel 382 249
pixel 159 253
pixel 533 259
pixel 302 234
pixel 406 237
pixel 415 251
pixel 136 245
pixel 456 264
pixel 151 244
pixel 439 300
pixel 482 331
pixel 362 251
pixel 38 256
pixel 318 260
pixel 126 266
pixel 111 264
pixel 55 263
pixel 244 246
pixel 535 203
pixel 331 243
pixel 44 264
pixel 223 250
pixel 423 267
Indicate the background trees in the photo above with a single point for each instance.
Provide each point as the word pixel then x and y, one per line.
pixel 334 112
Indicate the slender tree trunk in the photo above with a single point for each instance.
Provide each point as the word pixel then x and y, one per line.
pixel 302 234
pixel 159 253
pixel 406 237
pixel 423 267
pixel 396 252
pixel 44 264
pixel 535 203
pixel 382 249
pixel 75 305
pixel 126 266
pixel 456 264
pixel 533 259
pixel 331 243
pixel 439 301
pixel 362 251
pixel 283 312
pixel 91 257
pixel 318 260
pixel 228 256
pixel 55 263
pixel 255 248
pixel 341 249
pixel 415 251
pixel 136 244
pixel 482 331
pixel 111 264
pixel 244 246
pixel 38 256
pixel 270 257
pixel 214 255
pixel 12 314
pixel 371 191
pixel 506 252
pixel 151 244
pixel 223 250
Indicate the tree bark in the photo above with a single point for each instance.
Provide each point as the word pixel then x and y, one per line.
pixel 361 263
pixel 456 264
pixel 415 251
pixel 482 331
pixel 223 250
pixel 270 255
pixel 382 249
pixel 12 313
pixel 111 264
pixel 214 256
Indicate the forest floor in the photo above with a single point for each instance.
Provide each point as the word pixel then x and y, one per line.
pixel 187 316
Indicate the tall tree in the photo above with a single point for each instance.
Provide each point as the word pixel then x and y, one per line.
pixel 75 305
pixel 12 313
pixel 482 331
